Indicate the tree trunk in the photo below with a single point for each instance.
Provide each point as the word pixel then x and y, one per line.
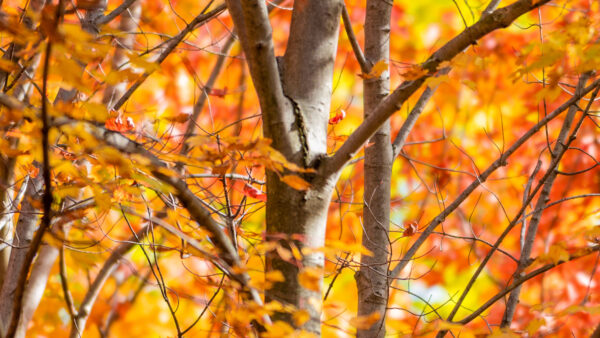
pixel 26 225
pixel 307 73
pixel 371 279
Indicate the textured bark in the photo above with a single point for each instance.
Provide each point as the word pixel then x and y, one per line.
pixel 40 271
pixel 306 71
pixel 371 279
pixel 307 80
pixel 26 225
pixel 308 66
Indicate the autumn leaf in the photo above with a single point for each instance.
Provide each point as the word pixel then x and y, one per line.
pixel 555 254
pixel 278 329
pixel 410 229
pixel 310 278
pixel 534 326
pixel 414 72
pixel 300 317
pixel 218 92
pixel 338 117
pixel 376 71
pixel 116 123
pixel 251 191
pixel 295 182
pixel 365 322
pixel 179 118
pixel 7 65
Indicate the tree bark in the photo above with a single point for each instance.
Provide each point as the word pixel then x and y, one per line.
pixel 371 279
pixel 26 225
pixel 307 74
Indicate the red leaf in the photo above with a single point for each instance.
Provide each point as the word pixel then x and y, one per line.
pixel 116 123
pixel 410 229
pixel 338 117
pixel 251 191
pixel 218 92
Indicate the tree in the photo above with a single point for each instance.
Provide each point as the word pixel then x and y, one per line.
pixel 147 179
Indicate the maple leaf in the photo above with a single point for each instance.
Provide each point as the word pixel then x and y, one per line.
pixel 414 72
pixel 376 71
pixel 251 191
pixel 295 182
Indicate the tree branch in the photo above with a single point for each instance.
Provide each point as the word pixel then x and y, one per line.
pixel 252 24
pixel 543 199
pixel 47 198
pixel 501 161
pixel 116 12
pixel 524 279
pixel 365 67
pixel 170 46
pixel 500 18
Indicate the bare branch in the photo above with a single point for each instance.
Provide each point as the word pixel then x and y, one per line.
pixel 94 290
pixel 170 46
pixel 501 161
pixel 116 12
pixel 523 279
pixel 543 199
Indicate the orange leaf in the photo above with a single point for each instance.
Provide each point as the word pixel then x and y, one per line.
pixel 116 123
pixel 365 322
pixel 376 70
pixel 295 182
pixel 414 73
pixel 310 278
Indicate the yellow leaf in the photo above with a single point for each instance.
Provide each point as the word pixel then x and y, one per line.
pixel 534 326
pixel 503 333
pixel 435 81
pixel 142 63
pixel 300 317
pixel 365 322
pixel 310 278
pixel 376 70
pixel 414 73
pixel 7 65
pixel 295 182
pixel 278 329
pixel 555 254
pixel 274 276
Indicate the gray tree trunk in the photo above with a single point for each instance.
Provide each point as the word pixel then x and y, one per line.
pixel 307 75
pixel 371 279
pixel 26 225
